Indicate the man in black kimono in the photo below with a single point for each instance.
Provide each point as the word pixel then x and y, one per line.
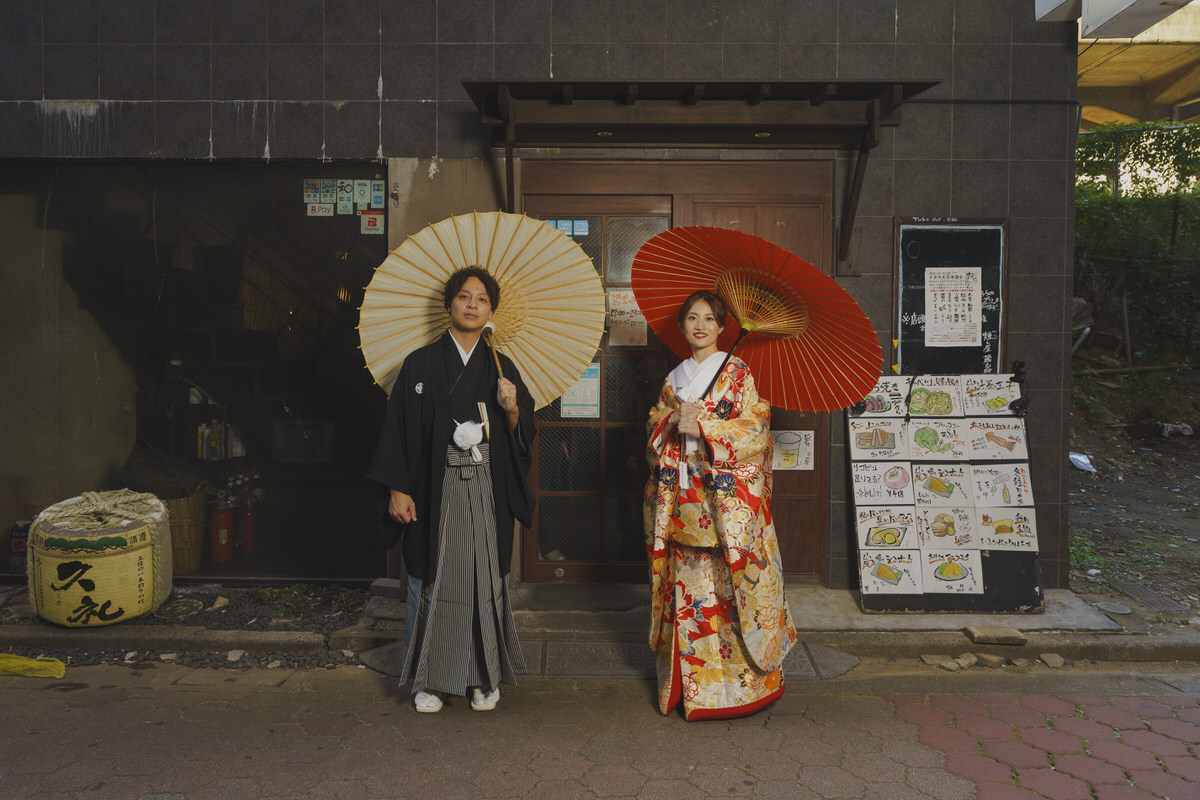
pixel 454 453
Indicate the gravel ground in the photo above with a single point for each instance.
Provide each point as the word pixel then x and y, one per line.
pixel 301 607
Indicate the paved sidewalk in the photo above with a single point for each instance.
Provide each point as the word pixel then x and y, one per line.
pixel 161 732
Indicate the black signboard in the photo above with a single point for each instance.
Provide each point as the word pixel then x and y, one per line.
pixel 976 248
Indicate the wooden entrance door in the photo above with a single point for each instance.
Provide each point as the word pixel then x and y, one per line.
pixel 788 203
pixel 800 498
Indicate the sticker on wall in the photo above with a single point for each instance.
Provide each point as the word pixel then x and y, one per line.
pixel 582 399
pixel 362 194
pixel 328 191
pixel 320 210
pixel 312 190
pixel 377 194
pixel 626 324
pixel 345 196
pixel 579 227
pixel 565 226
pixel 370 222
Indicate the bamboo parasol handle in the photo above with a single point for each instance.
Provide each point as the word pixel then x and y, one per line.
pixel 741 335
pixel 487 336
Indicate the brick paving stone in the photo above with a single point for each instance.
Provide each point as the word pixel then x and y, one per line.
pixel 1162 784
pixel 984 727
pixel 1047 704
pixel 1123 755
pixel 1114 717
pixel 1054 784
pixel 613 780
pixel 1155 743
pixel 1085 729
pixel 980 769
pixel 922 714
pixel 1187 767
pixel 1090 769
pixel 1186 732
pixel 1142 706
pixel 1017 754
pixel 1113 792
pixel 991 791
pixel 1051 741
pixel 958 704
pixel 1018 715
pixel 949 740
pixel 1189 714
pixel 1084 699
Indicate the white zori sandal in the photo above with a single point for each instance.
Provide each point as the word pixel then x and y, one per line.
pixel 427 702
pixel 484 702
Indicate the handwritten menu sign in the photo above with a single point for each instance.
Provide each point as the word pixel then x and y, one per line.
pixel 989 395
pixel 942 501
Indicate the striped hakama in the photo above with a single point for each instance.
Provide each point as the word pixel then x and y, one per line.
pixel 465 635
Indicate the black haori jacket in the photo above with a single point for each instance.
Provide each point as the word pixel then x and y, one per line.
pixel 431 394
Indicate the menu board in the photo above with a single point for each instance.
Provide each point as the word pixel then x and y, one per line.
pixel 943 502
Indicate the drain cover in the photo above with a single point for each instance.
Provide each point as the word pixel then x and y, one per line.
pixel 1148 597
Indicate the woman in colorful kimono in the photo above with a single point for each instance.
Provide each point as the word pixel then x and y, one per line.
pixel 720 623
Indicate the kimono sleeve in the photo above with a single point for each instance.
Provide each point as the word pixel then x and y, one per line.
pixel 745 435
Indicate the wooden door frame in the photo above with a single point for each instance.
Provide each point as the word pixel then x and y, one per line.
pixel 687 182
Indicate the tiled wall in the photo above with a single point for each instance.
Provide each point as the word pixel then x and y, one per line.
pixel 362 79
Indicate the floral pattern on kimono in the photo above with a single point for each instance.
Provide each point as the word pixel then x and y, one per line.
pixel 720 623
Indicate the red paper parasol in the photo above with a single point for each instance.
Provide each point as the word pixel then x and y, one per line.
pixel 811 348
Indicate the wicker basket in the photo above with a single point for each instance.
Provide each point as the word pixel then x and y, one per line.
pixel 187 530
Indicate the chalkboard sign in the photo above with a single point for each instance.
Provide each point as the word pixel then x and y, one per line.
pixel 950 290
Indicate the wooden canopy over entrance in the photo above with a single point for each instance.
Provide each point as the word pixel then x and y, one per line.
pixel 797 115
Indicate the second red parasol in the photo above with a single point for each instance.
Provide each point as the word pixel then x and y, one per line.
pixel 809 345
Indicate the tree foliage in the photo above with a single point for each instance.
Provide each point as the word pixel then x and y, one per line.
pixel 1140 238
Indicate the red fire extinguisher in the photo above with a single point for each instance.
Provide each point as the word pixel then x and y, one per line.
pixel 247 522
pixel 220 534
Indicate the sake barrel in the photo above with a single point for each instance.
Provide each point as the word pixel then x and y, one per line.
pixel 100 558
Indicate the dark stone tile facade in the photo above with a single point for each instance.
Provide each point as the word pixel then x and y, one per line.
pixel 356 79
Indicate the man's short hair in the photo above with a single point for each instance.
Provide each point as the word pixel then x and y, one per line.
pixel 455 283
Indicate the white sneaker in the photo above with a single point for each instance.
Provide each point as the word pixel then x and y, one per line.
pixel 427 702
pixel 484 702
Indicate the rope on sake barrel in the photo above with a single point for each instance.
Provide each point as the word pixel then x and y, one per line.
pixel 93 511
